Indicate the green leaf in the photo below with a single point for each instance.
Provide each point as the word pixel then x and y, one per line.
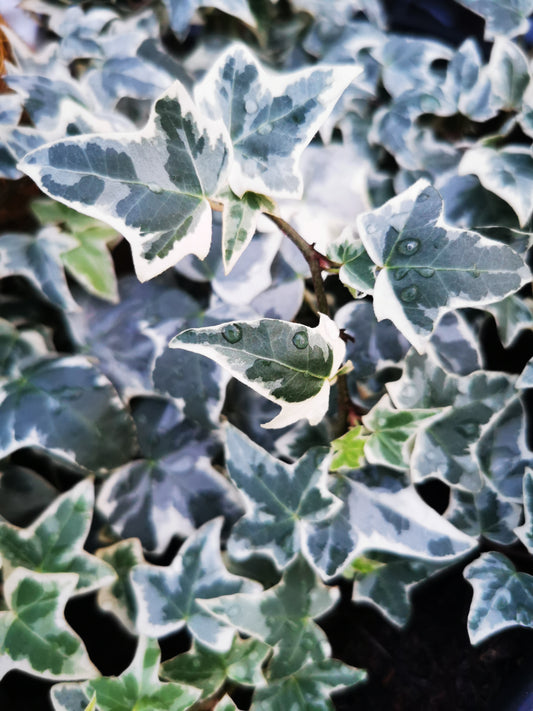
pixel 152 185
pixel 428 268
pixel 34 636
pixel 502 598
pixel 282 616
pixel 92 704
pixel 67 407
pixel 207 670
pixel 271 117
pixel 507 172
pixel 308 688
pixel 502 17
pixel 54 542
pixel 284 502
pixel 348 449
pixel 287 363
pixel 168 598
pixel 137 688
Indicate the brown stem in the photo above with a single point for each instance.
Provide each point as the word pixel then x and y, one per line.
pixel 210 703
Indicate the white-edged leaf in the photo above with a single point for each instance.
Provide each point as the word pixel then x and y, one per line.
pixel 239 223
pixel 181 12
pixel 512 315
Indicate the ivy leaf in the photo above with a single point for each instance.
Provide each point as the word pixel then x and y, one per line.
pixel 454 344
pixel 287 363
pixel 167 598
pixel 152 186
pixel 181 12
pixel 65 406
pixel 239 224
pixel 284 502
pixel 282 616
pixel 308 688
pixel 207 670
pixel 348 450
pixel 270 117
pixel 138 687
pixel 507 172
pixel 358 272
pixel 512 315
pixel 501 16
pixel 525 531
pixel 502 598
pixel 54 542
pixel 34 636
pixel 23 494
pixel 19 348
pixel 525 380
pixel 509 73
pixel 428 268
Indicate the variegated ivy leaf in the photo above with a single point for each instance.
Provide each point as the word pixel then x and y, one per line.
pixel 507 172
pixel 173 489
pixel 153 185
pixel 358 271
pixel 67 407
pixel 348 450
pixel 54 542
pixel 502 598
pixel 239 223
pixel 90 262
pixel 509 73
pixel 168 598
pixel 455 345
pixel 428 268
pixel 34 636
pixel 181 12
pixel 271 117
pixel 282 616
pixel 138 687
pixel 208 671
pixel 287 363
pixel 501 16
pixel 525 531
pixel 386 516
pixel 18 348
pixel 512 315
pixel 309 688
pixel 38 259
pixel 118 598
pixel 284 502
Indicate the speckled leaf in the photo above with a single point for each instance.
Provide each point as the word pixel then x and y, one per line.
pixel 167 598
pixel 525 531
pixel 173 488
pixel 181 12
pixel 38 259
pixel 348 450
pixel 429 268
pixel 287 363
pixel 502 598
pixel 308 688
pixel 385 517
pixel 502 17
pixel 207 670
pixel 54 542
pixel 271 117
pixel 152 185
pixel 507 172
pixel 283 617
pixel 283 502
pixel 34 636
pixel 66 406
pixel 138 687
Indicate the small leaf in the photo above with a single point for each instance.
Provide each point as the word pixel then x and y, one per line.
pixel 239 224
pixel 501 16
pixel 358 272
pixel 509 73
pixel 287 363
pixel 34 636
pixel 348 449
pixel 502 598
pixel 54 542
pixel 182 11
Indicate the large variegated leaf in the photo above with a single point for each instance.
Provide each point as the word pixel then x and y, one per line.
pixel 65 406
pixel 54 542
pixel 501 16
pixel 173 489
pixel 283 617
pixel 271 117
pixel 385 517
pixel 152 186
pixel 428 268
pixel 287 363
pixel 167 598
pixel 138 687
pixel 181 12
pixel 283 501
pixel 34 636
pixel 207 670
pixel 502 598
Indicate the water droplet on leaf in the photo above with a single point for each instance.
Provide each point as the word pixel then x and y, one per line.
pixel 400 273
pixel 425 272
pixel 300 340
pixel 250 106
pixel 155 188
pixel 410 293
pixel 423 196
pixel 232 333
pixel 264 130
pixel 408 247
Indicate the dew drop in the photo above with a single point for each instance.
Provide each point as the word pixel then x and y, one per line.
pixel 400 273
pixel 410 293
pixel 250 106
pixel 264 129
pixel 300 340
pixel 232 333
pixel 155 188
pixel 408 247
pixel 425 272
pixel 423 196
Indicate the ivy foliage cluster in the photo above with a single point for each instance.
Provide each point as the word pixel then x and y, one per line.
pixel 324 218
